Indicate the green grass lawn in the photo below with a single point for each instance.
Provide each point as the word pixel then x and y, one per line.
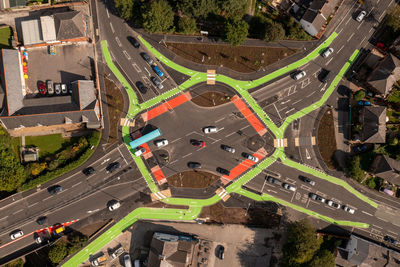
pixel 16 144
pixel 5 37
pixel 48 144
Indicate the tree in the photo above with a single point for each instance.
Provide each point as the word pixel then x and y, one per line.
pixel 322 258
pixel 370 182
pixel 355 170
pixel 16 263
pixel 12 173
pixel 301 244
pixel 187 25
pixel 359 95
pixel 58 252
pixel 273 32
pixel 257 27
pixel 234 7
pixel 125 8
pixel 197 8
pixel 394 141
pixel 393 18
pixel 236 31
pixel 158 17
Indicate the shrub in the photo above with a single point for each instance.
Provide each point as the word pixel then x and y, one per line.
pixel 370 182
pixel 359 95
pixel 58 252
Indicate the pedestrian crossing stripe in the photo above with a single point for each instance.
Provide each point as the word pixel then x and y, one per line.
pixel 280 142
pixel 211 76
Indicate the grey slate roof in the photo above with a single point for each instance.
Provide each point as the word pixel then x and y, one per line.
pixel 356 250
pixel 385 74
pixel 387 168
pixel 374 124
pixel 84 93
pixel 69 25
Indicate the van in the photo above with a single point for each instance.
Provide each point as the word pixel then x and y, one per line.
pixel 324 75
pixel 137 263
pixel 127 261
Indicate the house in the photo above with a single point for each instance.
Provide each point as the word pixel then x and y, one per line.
pixel 386 168
pixel 30 154
pixel 317 14
pixel 385 74
pixel 373 120
pixel 171 250
pixel 22 112
pixel 4 4
pixel 60 27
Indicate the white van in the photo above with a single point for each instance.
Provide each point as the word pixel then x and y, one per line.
pixel 137 263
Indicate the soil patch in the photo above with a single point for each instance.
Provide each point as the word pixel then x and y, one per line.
pixel 166 206
pixel 192 179
pixel 115 105
pixel 243 59
pixel 326 139
pixel 90 229
pixel 211 99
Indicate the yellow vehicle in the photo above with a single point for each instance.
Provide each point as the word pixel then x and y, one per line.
pixel 59 230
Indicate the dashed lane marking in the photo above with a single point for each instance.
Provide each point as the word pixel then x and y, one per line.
pixel 126 55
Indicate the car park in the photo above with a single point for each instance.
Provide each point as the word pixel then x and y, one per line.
pixel 50 89
pixel 161 142
pixel 157 83
pixel 306 180
pixel 55 189
pixel 223 171
pixel 88 171
pixel 228 149
pixel 272 180
pixel 133 41
pixel 114 205
pixel 391 240
pixel 361 15
pixel 142 88
pixel 360 148
pixel 139 151
pixel 57 89
pixel 348 209
pixel 41 220
pixel 147 58
pixel 210 129
pixel 327 52
pixel 197 143
pixel 194 165
pixel 250 157
pixel 299 75
pixel 16 234
pixel 364 103
pixel 158 71
pixel 289 187
pixel 221 252
pixel 316 197
pixel 42 88
pixel 113 166
pixel 324 75
pixel 333 204
pixel 64 89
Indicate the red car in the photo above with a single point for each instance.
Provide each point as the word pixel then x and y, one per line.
pixel 197 143
pixel 42 88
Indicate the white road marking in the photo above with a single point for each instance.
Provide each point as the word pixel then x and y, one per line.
pixel 384 220
pixel 147 71
pixel 136 67
pixel 340 31
pixel 112 28
pixel 108 14
pixel 216 141
pixel 305 187
pixel 284 102
pixel 173 162
pixel 47 198
pixel 126 55
pixel 296 101
pixel 187 155
pixel 313 92
pixel 290 110
pixel 369 214
pixel 105 161
pixel 363 39
pixel 244 127
pixel 76 184
pixel 392 232
pixel 18 211
pixel 370 30
pixel 308 154
pixel 294 193
pixel 176 140
pixel 351 36
pixel 348 21
pixel 118 41
pixel 230 134
pixel 277 111
pixel 329 61
pixel 190 133
pixel 33 204
pixel 340 49
pixel 377 226
pixel 219 120
pixel 122 156
pixel 380 17
pixel 360 25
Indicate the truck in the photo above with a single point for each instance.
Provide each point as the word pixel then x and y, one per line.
pixel 59 230
pixel 99 260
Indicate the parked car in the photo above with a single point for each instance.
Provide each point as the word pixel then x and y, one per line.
pixel 391 240
pixel 157 83
pixel 194 165
pixel 41 220
pixel 306 180
pixel 228 149
pixel 133 41
pixel 333 204
pixel 64 89
pixel 55 189
pixel 324 75
pixel 113 166
pixel 360 148
pixel 50 89
pixel 161 142
pixel 364 103
pixel 289 187
pixel 57 89
pixel 147 58
pixel 250 157
pixel 197 143
pixel 299 75
pixel 158 71
pixel 361 16
pixel 88 171
pixel 272 180
pixel 327 52
pixel 69 87
pixel 114 205
pixel 316 197
pixel 142 88
pixel 38 239
pixel 348 209
pixel 221 252
pixel 16 234
pixel 223 171
pixel 42 88
pixel 139 151
pixel 210 129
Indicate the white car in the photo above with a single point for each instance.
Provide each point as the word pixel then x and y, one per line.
pixel 348 209
pixel 333 204
pixel 300 75
pixel 289 187
pixel 16 234
pixel 140 151
pixel 361 16
pixel 114 206
pixel 64 88
pixel 210 129
pixel 161 142
pixel 327 52
pixel 250 157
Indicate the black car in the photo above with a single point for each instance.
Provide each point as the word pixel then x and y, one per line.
pixel 55 189
pixel 88 171
pixel 133 41
pixel 113 166
pixel 141 87
pixel 272 180
pixel 147 58
pixel 391 240
pixel 221 252
pixel 306 180
pixel 194 165
pixel 223 171
pixel 41 220
pixel 324 75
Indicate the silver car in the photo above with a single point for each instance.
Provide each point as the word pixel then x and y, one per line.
pixel 57 88
pixel 157 83
pixel 327 52
pixel 16 234
pixel 361 16
pixel 299 75
pixel 50 89
pixel 228 149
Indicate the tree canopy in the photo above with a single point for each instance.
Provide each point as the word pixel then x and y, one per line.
pixel 125 8
pixel 234 7
pixel 393 18
pixel 323 258
pixel 187 25
pixel 158 17
pixel 354 169
pixel 236 31
pixel 274 32
pixel 58 252
pixel 359 95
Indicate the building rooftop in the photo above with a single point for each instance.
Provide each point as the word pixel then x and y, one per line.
pixel 374 124
pixel 385 74
pixel 387 168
